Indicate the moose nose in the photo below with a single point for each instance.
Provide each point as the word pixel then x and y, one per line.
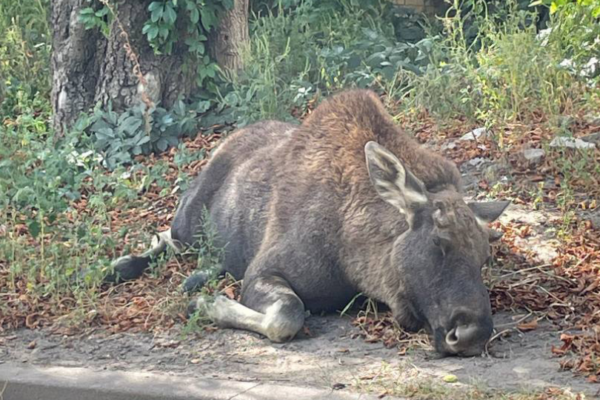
pixel 469 338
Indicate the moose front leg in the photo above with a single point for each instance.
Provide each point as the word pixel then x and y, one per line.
pixel 269 307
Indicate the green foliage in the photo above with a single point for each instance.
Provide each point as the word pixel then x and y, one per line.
pixel 210 255
pixel 590 6
pixel 55 205
pixel 24 56
pixel 310 49
pixel 120 137
pixel 96 16
pixel 187 21
pixel 505 74
pixel 574 32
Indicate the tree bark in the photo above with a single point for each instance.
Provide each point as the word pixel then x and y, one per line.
pixel 120 83
pixel 76 59
pixel 89 68
pixel 229 40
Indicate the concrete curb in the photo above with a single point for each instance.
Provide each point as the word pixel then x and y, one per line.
pixel 30 382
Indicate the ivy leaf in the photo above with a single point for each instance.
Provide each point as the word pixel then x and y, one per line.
pixel 170 15
pixel 164 31
pixel 102 12
pixel 156 14
pixel 155 5
pixel 208 18
pixel 194 16
pixel 86 12
pixel 151 32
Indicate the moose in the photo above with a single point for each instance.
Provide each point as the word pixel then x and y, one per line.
pixel 311 215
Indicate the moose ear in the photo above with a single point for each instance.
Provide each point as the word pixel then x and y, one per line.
pixel 392 181
pixel 488 211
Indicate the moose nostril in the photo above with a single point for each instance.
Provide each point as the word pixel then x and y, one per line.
pixel 463 335
pixel 452 338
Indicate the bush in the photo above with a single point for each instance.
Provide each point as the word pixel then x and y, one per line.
pixel 575 33
pixel 120 137
pixel 24 55
pixel 506 74
pixel 307 49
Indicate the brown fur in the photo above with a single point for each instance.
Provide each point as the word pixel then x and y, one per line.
pixel 308 222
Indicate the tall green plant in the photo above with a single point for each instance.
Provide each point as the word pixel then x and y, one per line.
pixel 297 53
pixel 506 74
pixel 574 32
pixel 24 55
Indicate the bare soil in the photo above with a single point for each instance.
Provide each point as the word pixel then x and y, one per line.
pixel 329 358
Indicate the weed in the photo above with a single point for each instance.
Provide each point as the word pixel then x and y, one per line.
pixel 120 137
pixel 25 57
pixel 505 75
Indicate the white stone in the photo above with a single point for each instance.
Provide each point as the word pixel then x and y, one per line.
pixel 475 134
pixel 572 143
pixel 533 155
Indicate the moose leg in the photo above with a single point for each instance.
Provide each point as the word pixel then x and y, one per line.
pixel 132 267
pixel 269 307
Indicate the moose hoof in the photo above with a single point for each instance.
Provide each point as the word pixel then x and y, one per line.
pixel 195 282
pixel 126 268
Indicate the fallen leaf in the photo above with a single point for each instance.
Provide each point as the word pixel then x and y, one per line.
pixel 450 378
pixel 528 326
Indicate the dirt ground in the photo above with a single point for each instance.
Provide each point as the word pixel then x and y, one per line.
pixel 329 358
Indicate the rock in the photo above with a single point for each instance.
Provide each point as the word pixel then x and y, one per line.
pixel 533 156
pixel 475 134
pixel 592 119
pixel 571 143
pixel 449 146
pixel 477 161
pixel 495 172
pixel 592 137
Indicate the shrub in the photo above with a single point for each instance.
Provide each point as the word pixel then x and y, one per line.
pixel 120 137
pixel 307 49
pixel 24 55
pixel 505 74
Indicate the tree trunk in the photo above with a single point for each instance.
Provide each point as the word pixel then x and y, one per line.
pixel 229 40
pixel 89 68
pixel 76 59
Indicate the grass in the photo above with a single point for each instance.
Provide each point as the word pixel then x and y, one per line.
pixel 24 55
pixel 505 75
pixel 297 57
